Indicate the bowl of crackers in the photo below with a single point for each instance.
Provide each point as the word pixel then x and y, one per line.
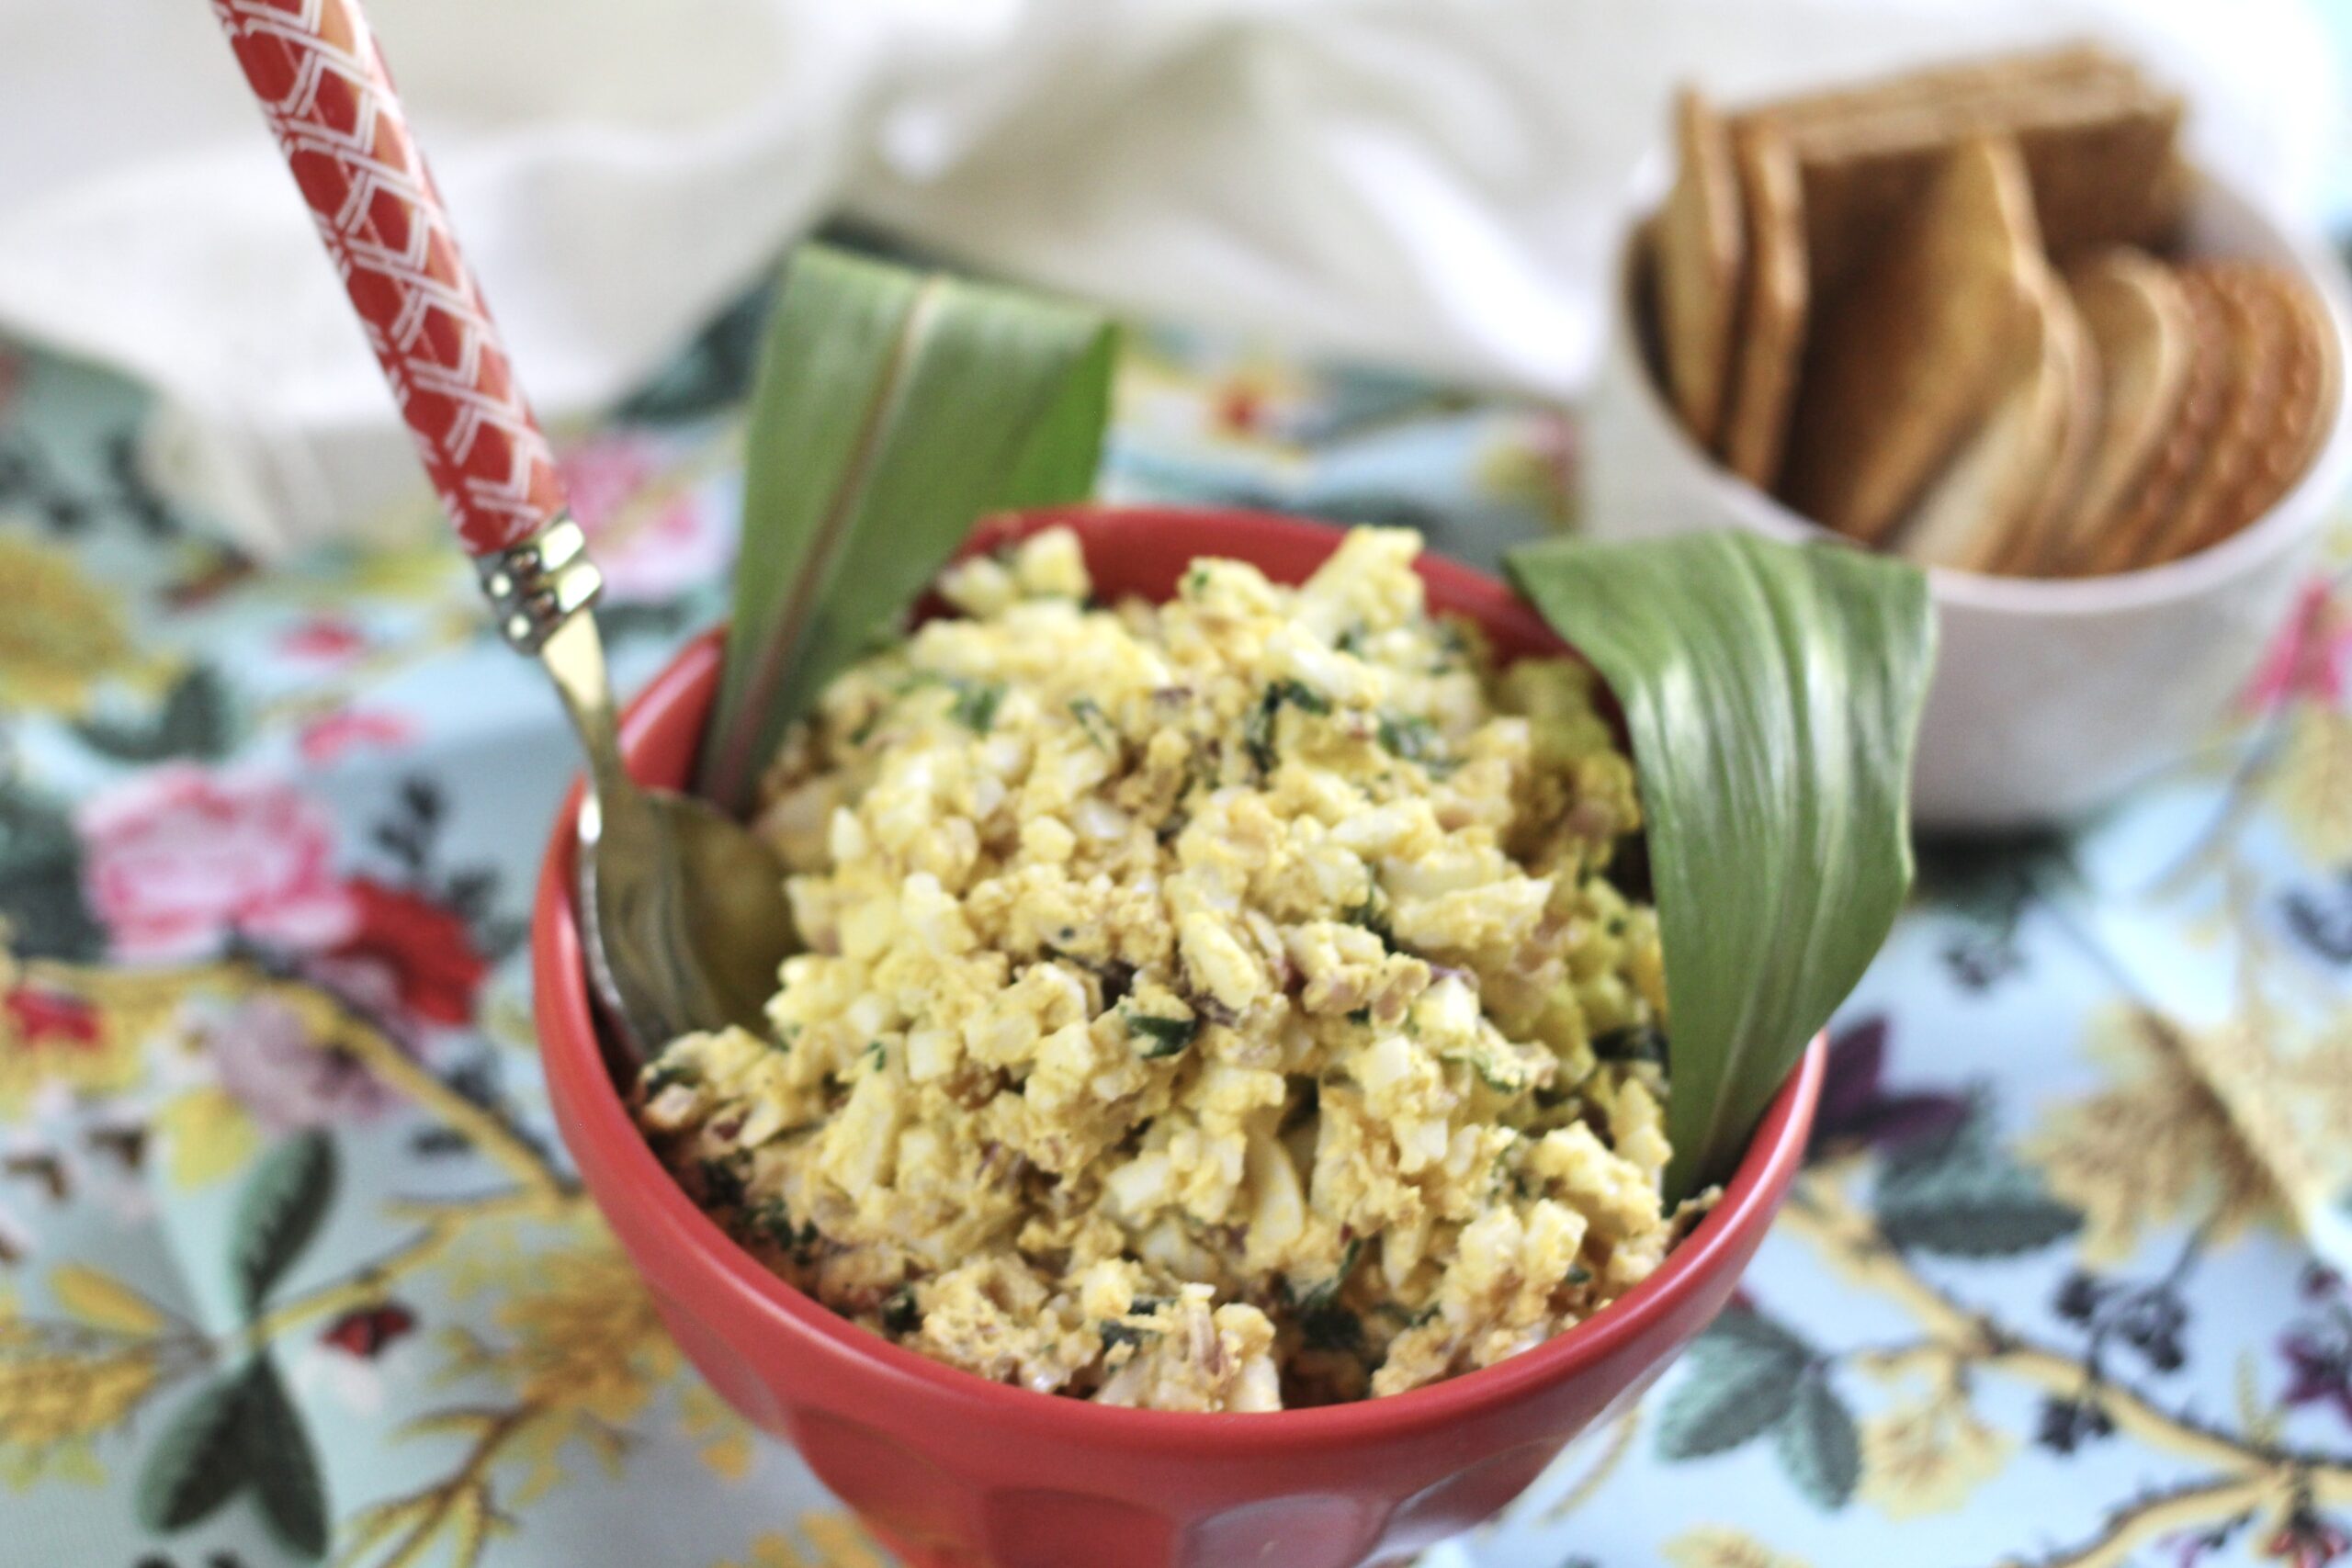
pixel 1991 318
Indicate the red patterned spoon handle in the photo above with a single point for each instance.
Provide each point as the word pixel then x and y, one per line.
pixel 322 82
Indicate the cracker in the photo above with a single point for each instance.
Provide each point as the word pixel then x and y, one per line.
pixel 1970 516
pixel 2279 427
pixel 1995 76
pixel 2259 321
pixel 1771 341
pixel 2128 536
pixel 1698 256
pixel 2040 540
pixel 2145 338
pixel 1901 366
pixel 2102 156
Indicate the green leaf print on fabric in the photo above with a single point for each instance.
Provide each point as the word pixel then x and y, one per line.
pixel 194 721
pixel 40 881
pixel 199 1462
pixel 278 1212
pixel 281 1463
pixel 1963 1196
pixel 1743 1379
pixel 1818 1446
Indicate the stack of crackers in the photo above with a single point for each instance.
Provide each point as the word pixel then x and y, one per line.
pixel 1942 315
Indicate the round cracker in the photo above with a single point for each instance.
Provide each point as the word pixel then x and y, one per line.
pixel 2126 538
pixel 2139 324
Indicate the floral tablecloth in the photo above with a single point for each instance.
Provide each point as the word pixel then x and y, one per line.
pixel 293 1267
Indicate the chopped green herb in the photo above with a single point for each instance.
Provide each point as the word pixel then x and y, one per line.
pixel 1578 1275
pixel 1362 1015
pixel 1331 1328
pixel 866 727
pixel 1095 722
pixel 1373 917
pixel 1495 1074
pixel 1168 1035
pixel 1115 1334
pixel 1409 739
pixel 1196 580
pixel 722 1184
pixel 1258 733
pixel 899 1314
pixel 1636 1042
pixel 1324 1294
pixel 663 1074
pixel 975 705
pixel 1299 696
pixel 879 1052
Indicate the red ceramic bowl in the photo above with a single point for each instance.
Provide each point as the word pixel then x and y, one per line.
pixel 960 1472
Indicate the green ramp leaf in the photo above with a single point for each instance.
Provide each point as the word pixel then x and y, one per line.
pixel 892 409
pixel 278 1212
pixel 1772 694
pixel 282 1464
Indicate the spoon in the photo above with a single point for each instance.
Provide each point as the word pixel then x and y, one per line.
pixel 682 908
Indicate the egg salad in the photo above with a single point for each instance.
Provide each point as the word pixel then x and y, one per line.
pixel 1241 1003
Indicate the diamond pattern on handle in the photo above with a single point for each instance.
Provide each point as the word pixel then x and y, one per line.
pixel 322 83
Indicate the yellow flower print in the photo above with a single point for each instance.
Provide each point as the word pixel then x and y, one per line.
pixel 60 1387
pixel 62 634
pixel 585 1341
pixel 2155 1146
pixel 2313 782
pixel 1929 1457
pixel 1714 1546
pixel 206 1136
pixel 827 1540
pixel 53 1029
pixel 726 1437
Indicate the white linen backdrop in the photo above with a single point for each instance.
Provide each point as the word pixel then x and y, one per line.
pixel 1431 182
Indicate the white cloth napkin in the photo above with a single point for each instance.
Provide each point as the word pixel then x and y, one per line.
pixel 1431 182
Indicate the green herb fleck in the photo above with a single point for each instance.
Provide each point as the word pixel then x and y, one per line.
pixel 1578 1275
pixel 1095 722
pixel 1362 1015
pixel 722 1184
pixel 1258 733
pixel 1168 1035
pixel 899 1314
pixel 1331 1328
pixel 975 705
pixel 1634 1043
pixel 1323 1295
pixel 1373 917
pixel 663 1074
pixel 879 1052
pixel 1197 580
pixel 1409 738
pixel 1115 1334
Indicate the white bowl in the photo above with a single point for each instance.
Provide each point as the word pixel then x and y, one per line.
pixel 2050 698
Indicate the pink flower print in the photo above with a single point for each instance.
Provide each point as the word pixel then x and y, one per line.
pixel 644 558
pixel 325 738
pixel 2311 657
pixel 323 637
pixel 600 476
pixel 685 544
pixel 267 1060
pixel 179 858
